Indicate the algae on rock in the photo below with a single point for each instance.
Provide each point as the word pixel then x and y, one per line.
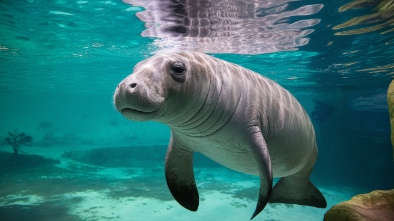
pixel 377 205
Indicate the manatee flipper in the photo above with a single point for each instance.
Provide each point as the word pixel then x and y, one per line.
pixel 180 175
pixel 260 152
pixel 297 189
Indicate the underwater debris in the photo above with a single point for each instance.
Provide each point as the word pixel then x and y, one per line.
pixel 16 141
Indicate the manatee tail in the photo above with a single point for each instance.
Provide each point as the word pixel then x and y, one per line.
pixel 297 191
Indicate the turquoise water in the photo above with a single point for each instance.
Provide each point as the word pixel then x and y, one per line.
pixel 60 62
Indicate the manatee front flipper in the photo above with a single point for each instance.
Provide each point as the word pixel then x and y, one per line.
pixel 180 175
pixel 260 152
pixel 298 189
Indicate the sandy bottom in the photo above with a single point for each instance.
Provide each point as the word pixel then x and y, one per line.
pixel 75 191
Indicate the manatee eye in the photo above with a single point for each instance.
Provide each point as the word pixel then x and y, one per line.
pixel 177 71
pixel 178 68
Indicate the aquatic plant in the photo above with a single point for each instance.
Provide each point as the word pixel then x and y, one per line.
pixel 16 141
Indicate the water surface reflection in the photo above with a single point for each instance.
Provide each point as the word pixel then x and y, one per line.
pixel 228 26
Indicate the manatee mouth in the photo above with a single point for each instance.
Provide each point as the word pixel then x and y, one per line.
pixel 142 115
pixel 126 111
pixel 130 110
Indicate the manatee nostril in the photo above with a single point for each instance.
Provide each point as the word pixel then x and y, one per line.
pixel 133 85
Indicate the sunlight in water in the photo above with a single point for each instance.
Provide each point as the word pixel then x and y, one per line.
pixel 381 17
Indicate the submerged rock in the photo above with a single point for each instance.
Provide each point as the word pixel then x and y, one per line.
pixel 390 101
pixel 135 156
pixel 377 205
pixel 25 161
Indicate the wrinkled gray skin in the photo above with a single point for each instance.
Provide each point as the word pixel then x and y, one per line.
pixel 232 115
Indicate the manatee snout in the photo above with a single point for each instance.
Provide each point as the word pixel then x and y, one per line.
pixel 133 97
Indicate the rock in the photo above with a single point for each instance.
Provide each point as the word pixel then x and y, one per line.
pixel 390 101
pixel 27 161
pixel 377 205
pixel 133 156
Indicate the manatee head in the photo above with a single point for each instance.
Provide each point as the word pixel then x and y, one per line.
pixel 164 87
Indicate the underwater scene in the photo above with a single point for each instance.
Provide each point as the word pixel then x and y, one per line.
pixel 193 134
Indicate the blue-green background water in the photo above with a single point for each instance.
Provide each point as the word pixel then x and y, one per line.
pixel 60 62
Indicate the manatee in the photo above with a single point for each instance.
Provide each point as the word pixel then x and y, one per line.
pixel 230 114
